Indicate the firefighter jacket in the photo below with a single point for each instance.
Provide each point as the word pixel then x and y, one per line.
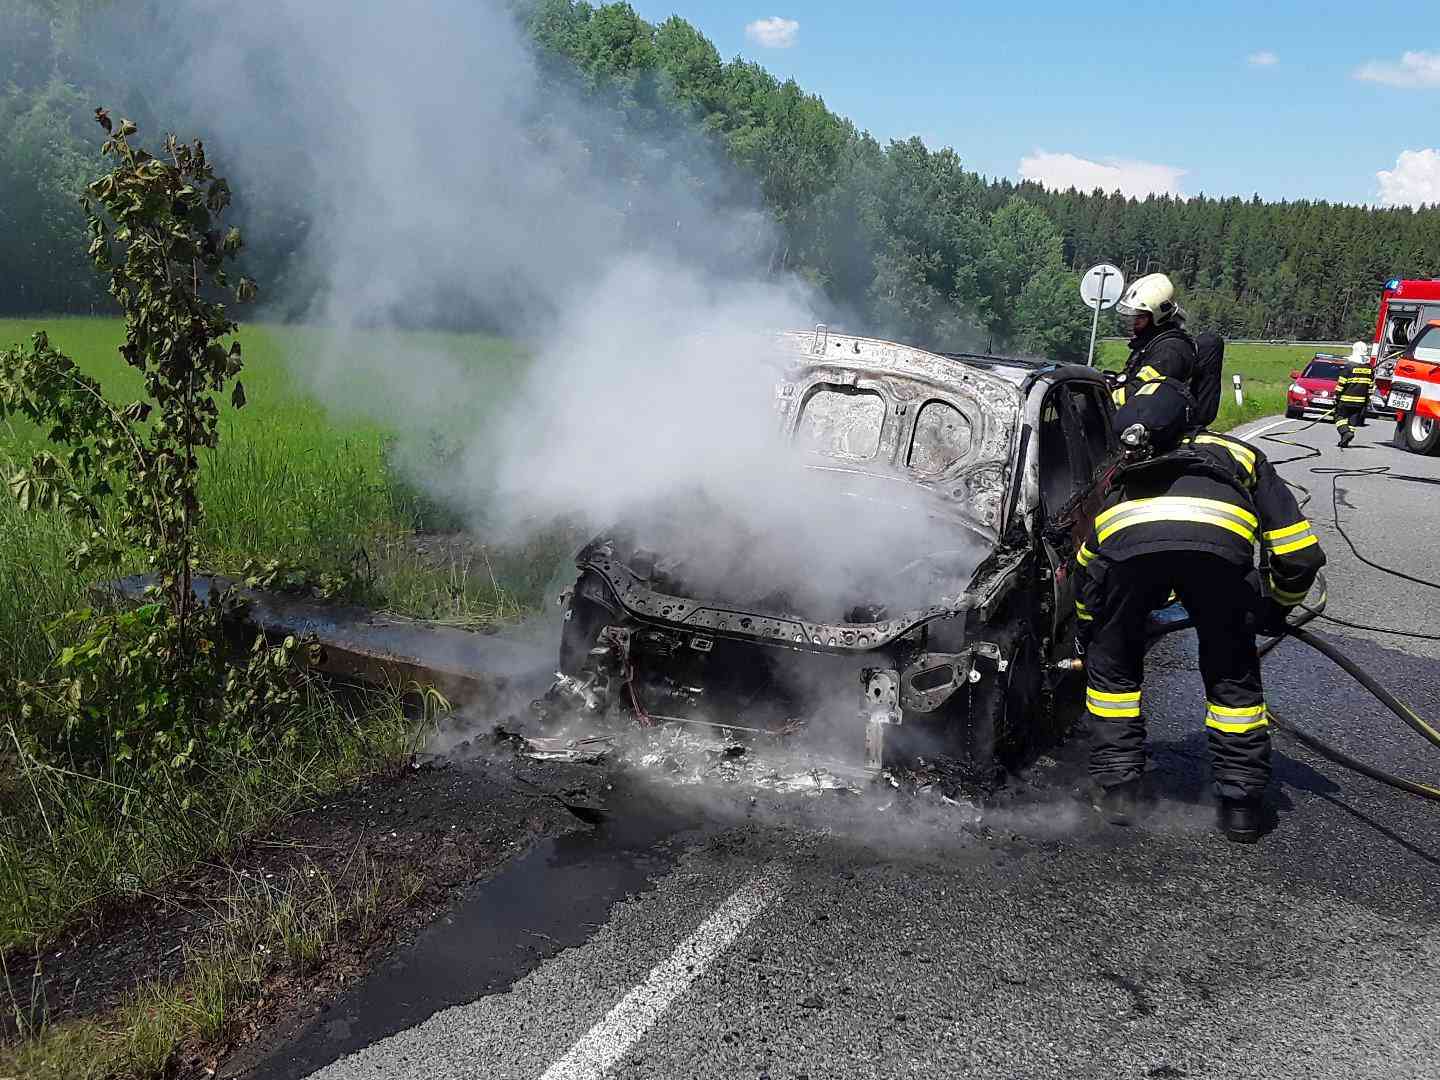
pixel 1166 353
pixel 1354 385
pixel 1212 494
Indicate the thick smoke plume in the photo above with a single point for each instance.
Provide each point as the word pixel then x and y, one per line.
pixel 449 179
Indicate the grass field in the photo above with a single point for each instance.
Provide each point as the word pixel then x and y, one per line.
pixel 290 481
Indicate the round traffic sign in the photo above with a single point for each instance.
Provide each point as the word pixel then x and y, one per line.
pixel 1102 286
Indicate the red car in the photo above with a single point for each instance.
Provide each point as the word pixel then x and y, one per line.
pixel 1312 390
pixel 1312 393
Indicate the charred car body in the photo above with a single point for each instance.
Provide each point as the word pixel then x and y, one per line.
pixel 972 478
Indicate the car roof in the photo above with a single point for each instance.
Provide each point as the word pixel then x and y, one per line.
pixel 1010 368
pixel 823 346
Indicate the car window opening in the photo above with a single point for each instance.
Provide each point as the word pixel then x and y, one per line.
pixel 1055 478
pixel 842 422
pixel 1094 424
pixel 943 438
pixel 1426 347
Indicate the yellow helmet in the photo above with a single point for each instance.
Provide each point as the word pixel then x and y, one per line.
pixel 1153 295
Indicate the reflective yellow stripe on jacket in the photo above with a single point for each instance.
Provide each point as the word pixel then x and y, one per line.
pixel 1222 515
pixel 1235 721
pixel 1284 596
pixel 1243 455
pixel 1111 703
pixel 1290 538
pixel 1355 386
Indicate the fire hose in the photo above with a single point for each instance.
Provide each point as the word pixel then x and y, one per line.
pixel 1364 678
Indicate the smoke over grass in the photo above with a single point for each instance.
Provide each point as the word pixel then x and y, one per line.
pixel 450 179
pixel 447 183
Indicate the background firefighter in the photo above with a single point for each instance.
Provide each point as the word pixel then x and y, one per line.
pixel 1185 515
pixel 1352 394
pixel 1159 346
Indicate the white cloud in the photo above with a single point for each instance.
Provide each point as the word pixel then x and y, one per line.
pixel 1414 70
pixel 773 33
pixel 1138 178
pixel 1414 180
pixel 1263 58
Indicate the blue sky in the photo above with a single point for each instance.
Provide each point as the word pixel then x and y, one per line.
pixel 1286 98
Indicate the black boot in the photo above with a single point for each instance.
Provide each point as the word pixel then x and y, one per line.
pixel 1120 805
pixel 1240 820
pixel 1346 437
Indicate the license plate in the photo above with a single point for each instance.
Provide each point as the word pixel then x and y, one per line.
pixel 1399 400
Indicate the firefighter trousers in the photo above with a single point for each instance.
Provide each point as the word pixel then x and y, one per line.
pixel 1349 415
pixel 1222 597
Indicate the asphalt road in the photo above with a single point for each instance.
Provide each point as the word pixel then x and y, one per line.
pixel 865 939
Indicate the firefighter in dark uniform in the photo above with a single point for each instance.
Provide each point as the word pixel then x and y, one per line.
pixel 1186 513
pixel 1159 348
pixel 1352 395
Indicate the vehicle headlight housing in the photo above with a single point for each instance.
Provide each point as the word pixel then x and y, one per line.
pixel 1296 388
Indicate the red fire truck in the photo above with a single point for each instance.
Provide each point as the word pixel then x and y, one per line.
pixel 1407 361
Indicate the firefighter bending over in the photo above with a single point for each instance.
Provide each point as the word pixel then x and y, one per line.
pixel 1352 394
pixel 1159 348
pixel 1186 513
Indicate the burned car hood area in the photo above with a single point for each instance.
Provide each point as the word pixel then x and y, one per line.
pixel 861 588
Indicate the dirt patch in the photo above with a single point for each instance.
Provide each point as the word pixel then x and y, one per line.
pixel 423 836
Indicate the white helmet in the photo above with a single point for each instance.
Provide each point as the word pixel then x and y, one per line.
pixel 1152 295
pixel 1359 353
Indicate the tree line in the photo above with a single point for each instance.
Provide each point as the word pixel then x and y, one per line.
pixel 898 238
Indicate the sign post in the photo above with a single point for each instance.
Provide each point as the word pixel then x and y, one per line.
pixel 1100 288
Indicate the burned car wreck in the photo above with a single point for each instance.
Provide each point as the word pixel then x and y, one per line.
pixel 910 594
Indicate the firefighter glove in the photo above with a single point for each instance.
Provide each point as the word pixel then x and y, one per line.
pixel 1273 618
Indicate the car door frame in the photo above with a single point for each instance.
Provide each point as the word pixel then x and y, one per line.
pixel 1057 537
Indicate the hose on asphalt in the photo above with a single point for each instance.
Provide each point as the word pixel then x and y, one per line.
pixel 1335 655
pixel 1360 675
pixel 1335 476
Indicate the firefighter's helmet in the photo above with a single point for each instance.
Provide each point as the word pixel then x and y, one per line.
pixel 1359 353
pixel 1152 295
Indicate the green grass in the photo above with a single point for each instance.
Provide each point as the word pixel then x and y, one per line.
pixel 69 841
pixel 293 481
pixel 290 482
pixel 1265 368
pixel 266 928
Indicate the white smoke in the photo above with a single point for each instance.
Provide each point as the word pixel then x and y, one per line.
pixel 444 179
pixel 447 179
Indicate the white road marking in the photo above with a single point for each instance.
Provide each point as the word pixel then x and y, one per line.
pixel 1249 436
pixel 607 1042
